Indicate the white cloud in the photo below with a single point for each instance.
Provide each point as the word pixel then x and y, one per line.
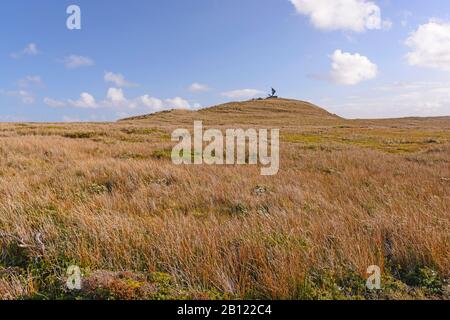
pixel 30 81
pixel 406 99
pixel 153 104
pixel 351 15
pixel 178 103
pixel 430 45
pixel 351 69
pixel 74 62
pixel 54 103
pixel 118 79
pixel 86 101
pixel 242 94
pixel 198 87
pixel 115 98
pixel 25 96
pixel 30 50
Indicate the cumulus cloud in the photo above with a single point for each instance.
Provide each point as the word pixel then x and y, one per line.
pixel 25 96
pixel 242 93
pixel 153 104
pixel 30 50
pixel 198 87
pixel 86 100
pixel 116 99
pixel 350 15
pixel 178 103
pixel 118 80
pixel 116 96
pixel 74 62
pixel 351 69
pixel 430 45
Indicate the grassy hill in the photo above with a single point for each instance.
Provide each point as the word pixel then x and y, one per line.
pixel 106 197
pixel 275 112
pixel 254 112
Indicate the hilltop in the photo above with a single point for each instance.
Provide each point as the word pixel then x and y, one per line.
pixel 286 113
pixel 253 112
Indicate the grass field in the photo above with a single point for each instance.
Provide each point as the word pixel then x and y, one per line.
pixel 106 197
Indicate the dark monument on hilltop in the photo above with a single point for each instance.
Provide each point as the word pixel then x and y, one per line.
pixel 273 96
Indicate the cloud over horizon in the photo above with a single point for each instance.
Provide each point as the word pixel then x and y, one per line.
pixel 116 99
pixel 407 99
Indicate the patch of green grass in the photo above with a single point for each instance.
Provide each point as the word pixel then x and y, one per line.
pixel 386 141
pixel 162 154
pixel 303 138
pixel 167 154
pixel 343 127
pixel 14 255
pixel 158 133
pixel 99 188
pixel 239 209
pixel 164 283
pixel 141 131
pixel 426 278
pixel 285 240
pixel 81 135
pixel 131 155
pixel 55 128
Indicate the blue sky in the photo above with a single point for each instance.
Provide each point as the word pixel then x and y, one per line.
pixel 357 58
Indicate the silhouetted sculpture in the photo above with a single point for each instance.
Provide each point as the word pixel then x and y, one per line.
pixel 272 96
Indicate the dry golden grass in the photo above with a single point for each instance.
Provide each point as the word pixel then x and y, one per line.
pixel 106 197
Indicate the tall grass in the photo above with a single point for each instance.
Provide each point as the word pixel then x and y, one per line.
pixel 309 232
